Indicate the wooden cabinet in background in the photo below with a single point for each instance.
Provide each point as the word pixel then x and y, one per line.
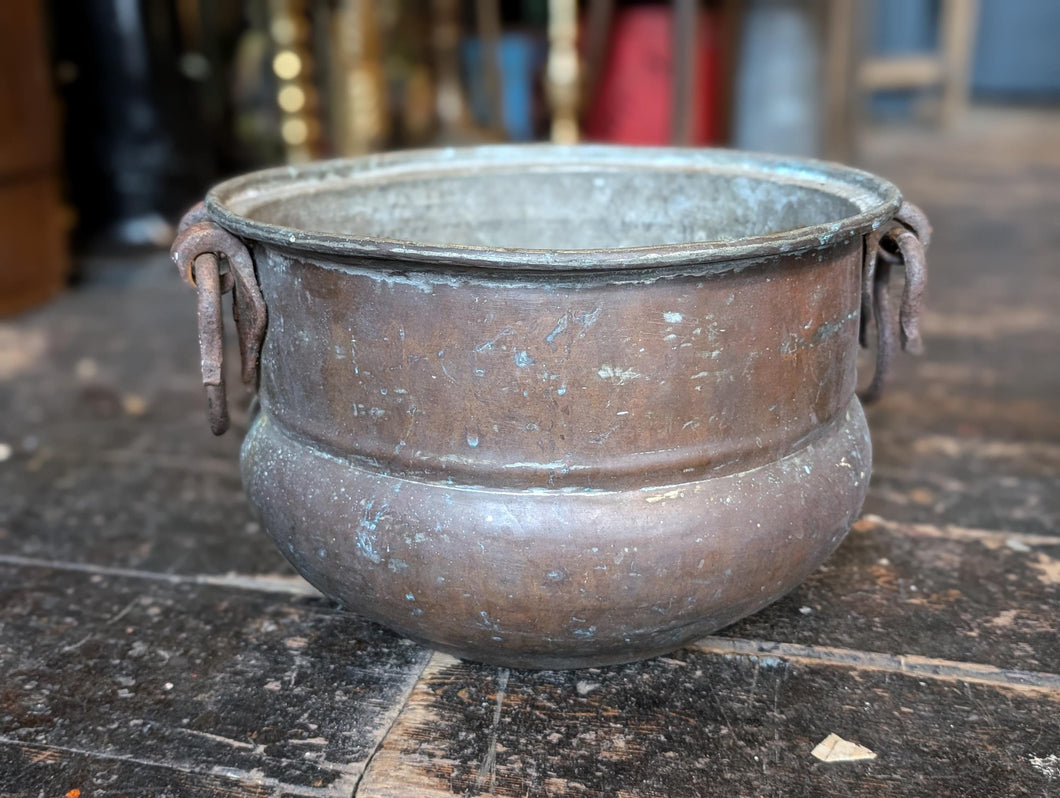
pixel 33 251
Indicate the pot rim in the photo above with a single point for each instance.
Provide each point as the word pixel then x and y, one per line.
pixel 875 199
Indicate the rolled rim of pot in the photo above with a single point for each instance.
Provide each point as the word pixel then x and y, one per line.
pixel 550 208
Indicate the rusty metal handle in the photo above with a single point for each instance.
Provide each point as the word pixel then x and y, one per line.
pixel 903 241
pixel 213 262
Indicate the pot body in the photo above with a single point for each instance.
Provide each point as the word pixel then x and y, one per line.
pixel 554 407
pixel 561 471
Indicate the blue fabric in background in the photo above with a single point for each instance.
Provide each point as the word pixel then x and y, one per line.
pixel 904 27
pixel 521 57
pixel 1017 52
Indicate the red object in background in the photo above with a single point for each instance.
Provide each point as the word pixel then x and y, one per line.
pixel 634 102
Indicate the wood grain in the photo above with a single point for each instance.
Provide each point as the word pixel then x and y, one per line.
pixel 186 681
pixel 111 460
pixel 704 724
pixel 952 593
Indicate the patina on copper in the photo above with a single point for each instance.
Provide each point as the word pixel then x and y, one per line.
pixel 555 407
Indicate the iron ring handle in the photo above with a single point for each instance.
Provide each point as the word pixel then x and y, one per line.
pixel 211 339
pixel 214 262
pixel 903 241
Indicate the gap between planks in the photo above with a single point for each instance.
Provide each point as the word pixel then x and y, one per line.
pixel 903 664
pixel 291 585
pixel 397 712
pixel 991 537
pixel 239 779
pixel 376 780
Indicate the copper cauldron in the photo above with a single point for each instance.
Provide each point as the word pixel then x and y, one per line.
pixel 554 407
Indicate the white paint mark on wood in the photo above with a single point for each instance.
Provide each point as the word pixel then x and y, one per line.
pixel 834 748
pixel 1048 766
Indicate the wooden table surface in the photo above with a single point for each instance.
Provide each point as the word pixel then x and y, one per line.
pixel 152 641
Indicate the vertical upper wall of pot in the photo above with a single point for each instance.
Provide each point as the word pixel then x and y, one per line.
pixel 545 317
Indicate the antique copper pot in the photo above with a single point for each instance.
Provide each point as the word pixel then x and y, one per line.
pixel 554 407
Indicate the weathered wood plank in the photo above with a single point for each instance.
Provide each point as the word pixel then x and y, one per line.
pixel 108 458
pixel 912 406
pixel 955 594
pixel 192 678
pixel 902 664
pixel 702 724
pixel 968 481
pixel 140 514
pixel 30 771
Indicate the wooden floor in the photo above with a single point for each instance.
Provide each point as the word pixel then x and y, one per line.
pixel 152 642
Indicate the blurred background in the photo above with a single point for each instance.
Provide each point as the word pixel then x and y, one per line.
pixel 149 631
pixel 115 115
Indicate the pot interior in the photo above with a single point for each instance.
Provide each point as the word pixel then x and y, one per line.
pixel 558 209
pixel 553 200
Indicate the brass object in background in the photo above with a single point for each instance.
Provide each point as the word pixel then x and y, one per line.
pixel 292 65
pixel 450 105
pixel 361 120
pixel 563 70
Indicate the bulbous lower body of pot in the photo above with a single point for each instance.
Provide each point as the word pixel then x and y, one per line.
pixel 557 578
